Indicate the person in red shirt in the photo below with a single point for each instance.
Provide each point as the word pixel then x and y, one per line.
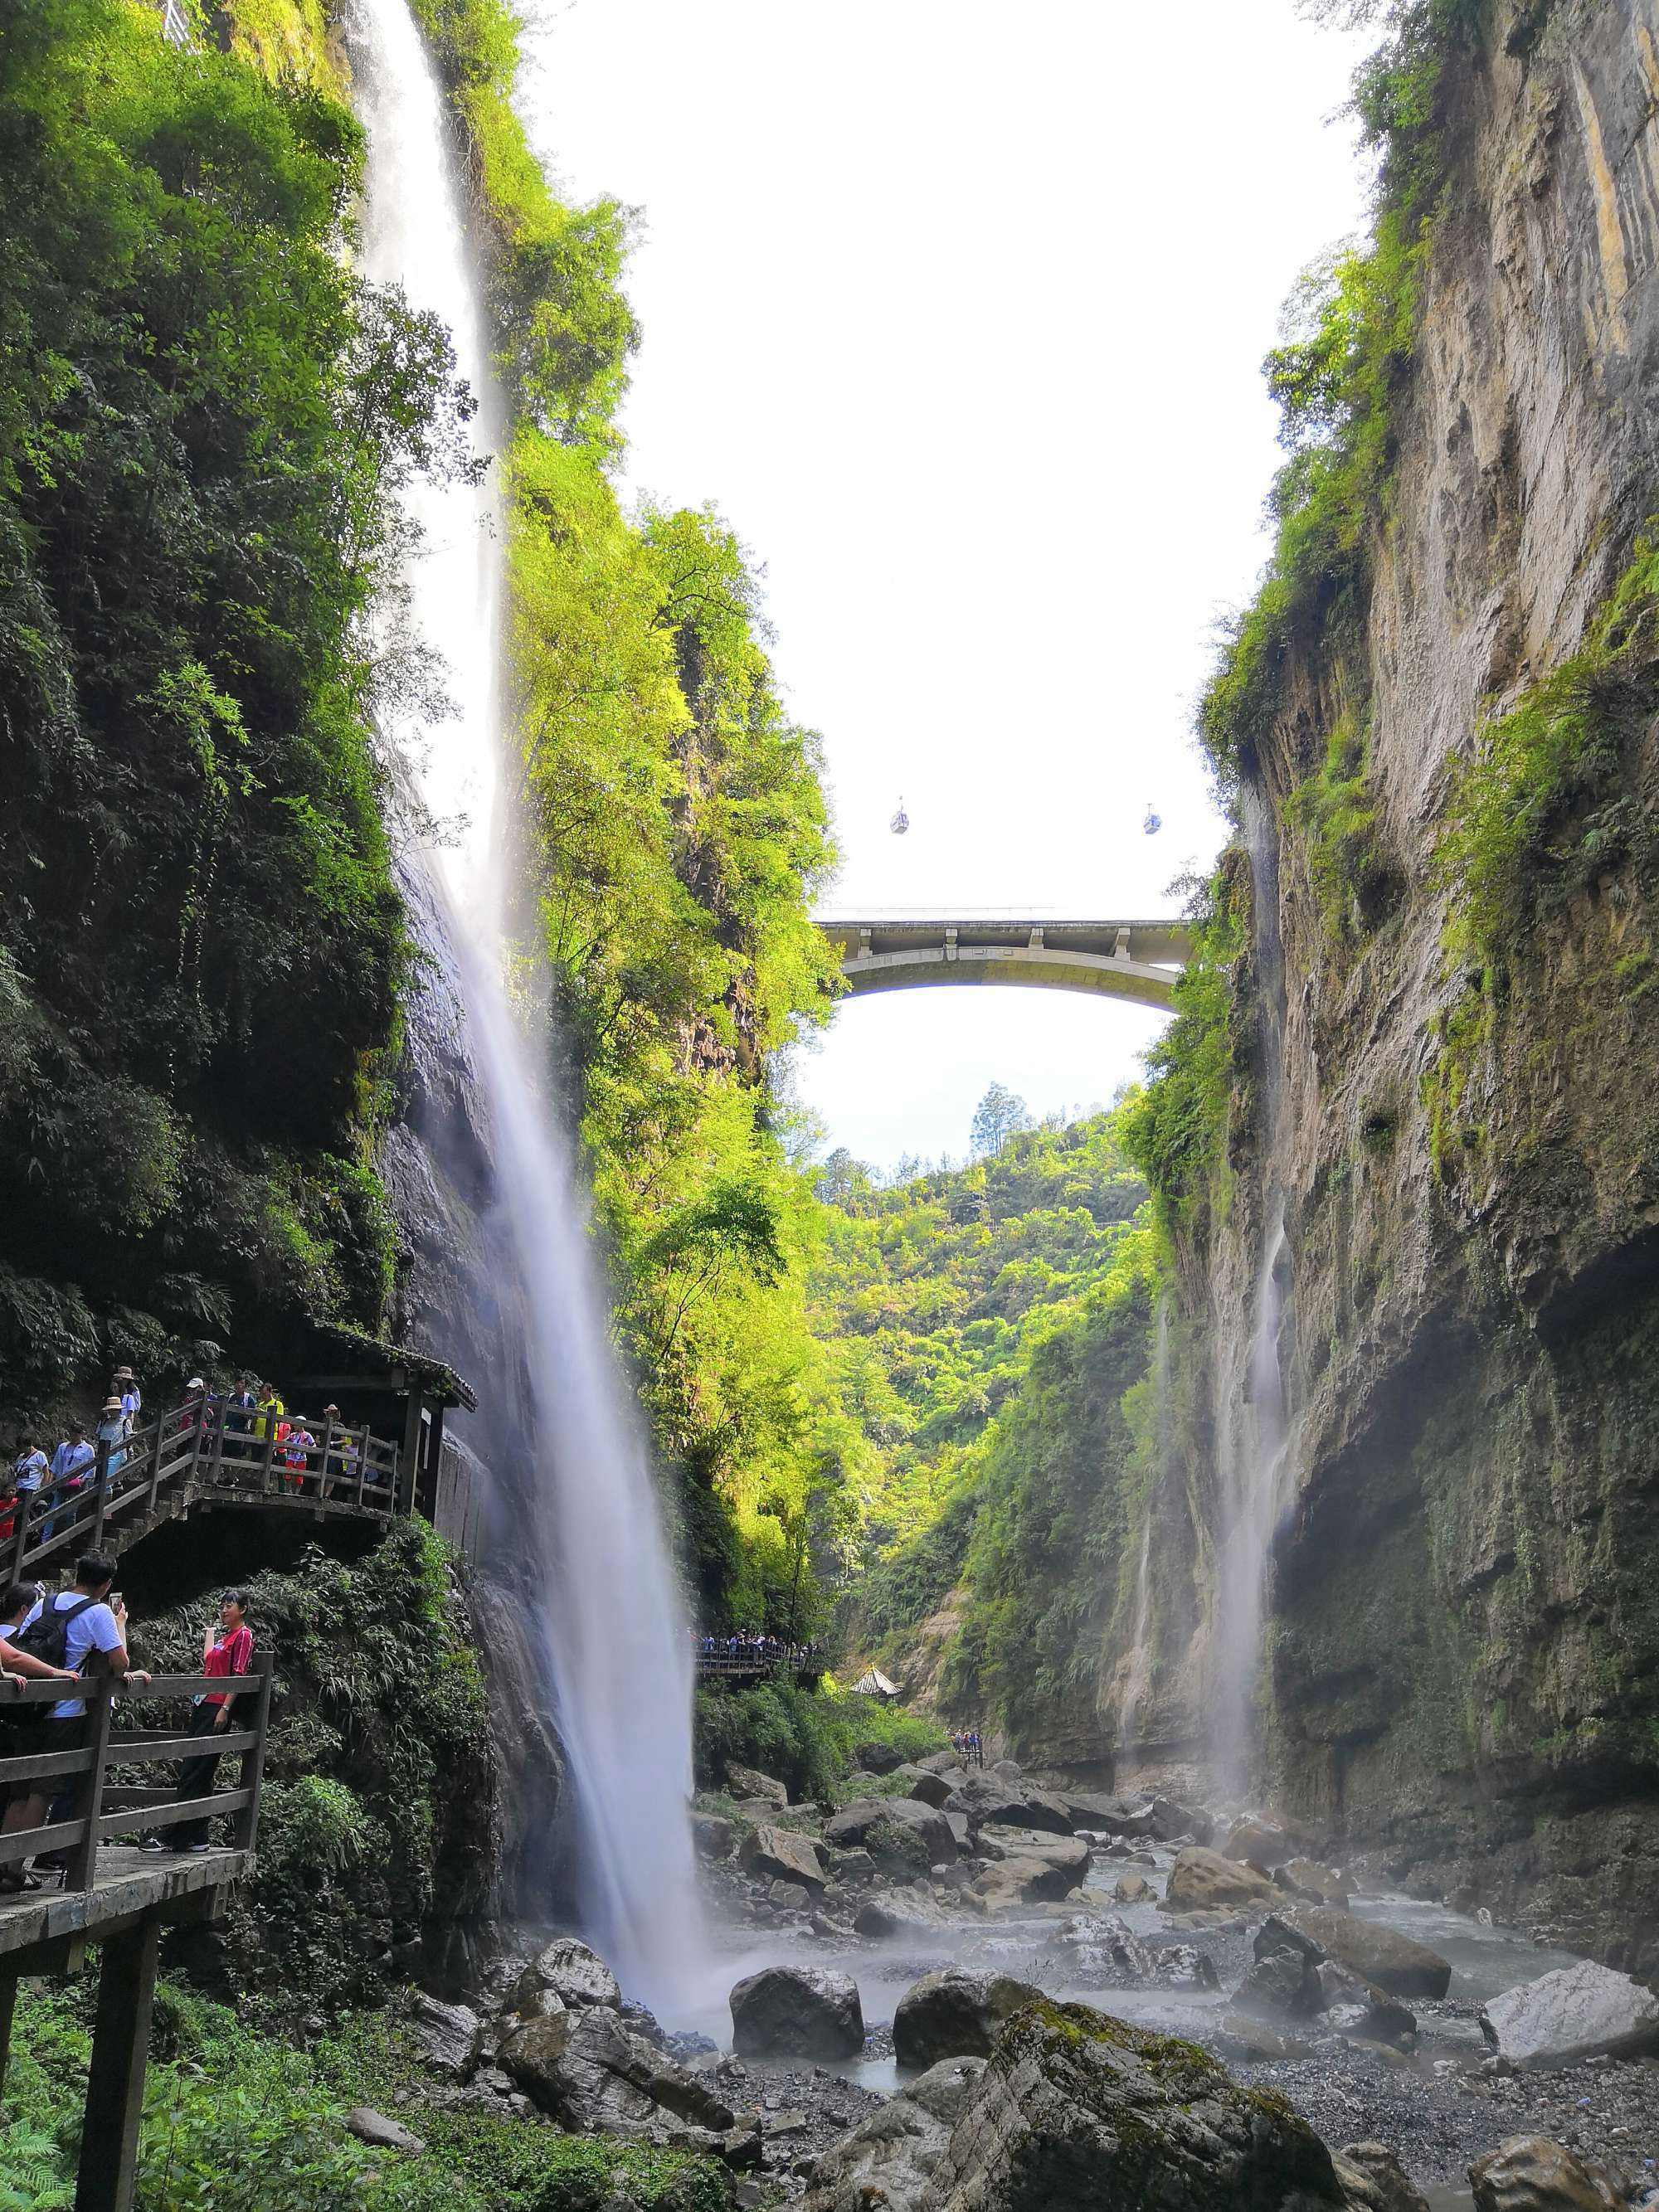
pixel 226 1650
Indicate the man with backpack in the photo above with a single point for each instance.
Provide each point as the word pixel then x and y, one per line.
pixel 64 1629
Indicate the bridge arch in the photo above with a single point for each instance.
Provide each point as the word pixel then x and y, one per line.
pixel 1135 960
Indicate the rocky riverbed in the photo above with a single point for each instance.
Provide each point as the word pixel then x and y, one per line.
pixel 887 1976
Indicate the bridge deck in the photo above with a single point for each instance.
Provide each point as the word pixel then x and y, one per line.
pixel 127 1883
pixel 1135 960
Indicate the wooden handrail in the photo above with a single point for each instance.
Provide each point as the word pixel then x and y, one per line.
pixel 208 1449
pixel 103 1809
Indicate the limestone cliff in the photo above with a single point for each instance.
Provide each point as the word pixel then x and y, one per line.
pixel 1462 1636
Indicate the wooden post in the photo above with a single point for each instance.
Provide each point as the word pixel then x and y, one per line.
pixel 408 1459
pixel 89 1797
pixel 97 1543
pixel 426 1499
pixel 155 1465
pixel 219 1441
pixel 120 2051
pixel 324 1487
pixel 7 2004
pixel 246 1827
pixel 269 1460
pixel 26 1502
pixel 363 1464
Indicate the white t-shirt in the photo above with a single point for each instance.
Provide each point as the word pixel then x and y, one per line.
pixel 95 1630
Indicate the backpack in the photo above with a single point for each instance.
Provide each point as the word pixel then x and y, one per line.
pixel 46 1636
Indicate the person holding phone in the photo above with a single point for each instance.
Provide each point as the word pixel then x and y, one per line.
pixel 226 1650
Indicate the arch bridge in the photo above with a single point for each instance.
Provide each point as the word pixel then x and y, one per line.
pixel 1135 960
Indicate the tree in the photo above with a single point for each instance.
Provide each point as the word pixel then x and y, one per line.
pixel 998 1115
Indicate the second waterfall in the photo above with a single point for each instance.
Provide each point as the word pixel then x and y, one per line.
pixel 576 1542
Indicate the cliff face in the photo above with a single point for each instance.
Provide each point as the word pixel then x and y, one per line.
pixel 1462 1640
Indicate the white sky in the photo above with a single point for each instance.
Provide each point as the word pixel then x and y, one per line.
pixel 956 313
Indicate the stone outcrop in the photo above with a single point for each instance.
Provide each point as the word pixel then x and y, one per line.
pixel 1029 1877
pixel 796 2012
pixel 1581 2012
pixel 586 2071
pixel 1396 1963
pixel 744 1782
pixel 1076 2108
pixel 1202 1881
pixel 899 1829
pixel 885 2163
pixel 783 1854
pixel 954 2014
pixel 566 1976
pixel 1530 2173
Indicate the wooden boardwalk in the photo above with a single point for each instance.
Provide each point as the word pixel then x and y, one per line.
pixel 113 1894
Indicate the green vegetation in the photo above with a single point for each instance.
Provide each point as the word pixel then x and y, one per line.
pixel 674 833
pixel 807 1739
pixel 1335 809
pixel 204 420
pixel 379 1805
pixel 1540 808
pixel 931 1298
pixel 236 2122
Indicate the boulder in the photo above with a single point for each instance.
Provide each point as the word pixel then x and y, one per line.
pixel 1112 1816
pixel 889 1912
pixel 1027 1878
pixel 713 1836
pixel 1373 2180
pixel 856 1866
pixel 859 1823
pixel 1530 2173
pixel 1355 2007
pixel 447 2035
pixel 796 2012
pixel 940 1762
pixel 1171 1818
pixel 1243 2035
pixel 565 1976
pixel 372 2126
pixel 1581 2012
pixel 1132 1889
pixel 1257 1843
pixel 1009 1768
pixel 879 1758
pixel 587 2072
pixel 961 1834
pixel 744 1782
pixel 782 1854
pixel 1074 2108
pixel 923 1784
pixel 885 2164
pixel 956 2015
pixel 1319 1885
pixel 1282 1983
pixel 789 1896
pixel 988 1800
pixel 1396 1963
pixel 1203 1881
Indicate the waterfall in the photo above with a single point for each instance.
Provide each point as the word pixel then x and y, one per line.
pixel 576 1547
pixel 1141 1657
pixel 1254 1428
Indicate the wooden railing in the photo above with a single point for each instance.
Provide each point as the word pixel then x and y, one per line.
pixel 102 1809
pixel 220 1455
pixel 802 1663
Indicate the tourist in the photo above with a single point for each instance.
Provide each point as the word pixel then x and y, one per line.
pixel 8 1503
pixel 71 1466
pixel 226 1650
pixel 295 1455
pixel 30 1467
pixel 270 1410
pixel 112 1434
pixel 15 1719
pixel 239 1408
pixel 64 1631
pixel 124 1387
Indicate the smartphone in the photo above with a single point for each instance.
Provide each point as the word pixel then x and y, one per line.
pixel 115 1600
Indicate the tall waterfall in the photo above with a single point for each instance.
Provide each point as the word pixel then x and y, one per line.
pixel 576 1539
pixel 1254 1426
pixel 1140 1679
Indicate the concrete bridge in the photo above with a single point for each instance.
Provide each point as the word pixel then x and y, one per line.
pixel 1137 960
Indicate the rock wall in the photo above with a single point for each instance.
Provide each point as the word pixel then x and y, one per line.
pixel 1463 1641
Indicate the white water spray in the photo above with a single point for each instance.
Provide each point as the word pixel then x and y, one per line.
pixel 1140 1657
pixel 576 1538
pixel 1255 1427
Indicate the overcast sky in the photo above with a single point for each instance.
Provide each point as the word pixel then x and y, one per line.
pixel 956 313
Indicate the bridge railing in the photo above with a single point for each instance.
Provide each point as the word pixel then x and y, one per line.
pixel 224 1454
pixel 103 1809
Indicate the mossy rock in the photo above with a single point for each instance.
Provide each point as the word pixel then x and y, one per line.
pixel 1077 2109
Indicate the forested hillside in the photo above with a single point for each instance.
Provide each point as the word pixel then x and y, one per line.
pixel 988 1330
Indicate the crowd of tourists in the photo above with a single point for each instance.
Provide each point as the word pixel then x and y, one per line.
pixel 752 1650
pixel 250 1425
pixel 966 1743
pixel 64 1636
